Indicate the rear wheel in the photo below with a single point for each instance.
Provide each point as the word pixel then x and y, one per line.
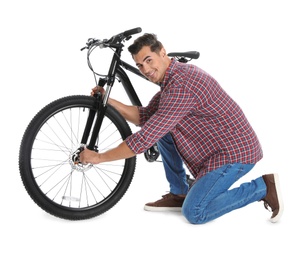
pixel 49 174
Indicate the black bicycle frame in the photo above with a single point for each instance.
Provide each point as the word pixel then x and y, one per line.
pixel 100 104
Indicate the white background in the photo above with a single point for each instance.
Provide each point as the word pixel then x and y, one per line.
pixel 255 49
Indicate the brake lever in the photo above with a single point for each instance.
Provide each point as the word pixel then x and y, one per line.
pixel 89 43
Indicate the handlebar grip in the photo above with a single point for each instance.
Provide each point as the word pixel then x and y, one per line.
pixel 132 31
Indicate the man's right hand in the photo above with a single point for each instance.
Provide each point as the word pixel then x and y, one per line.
pixel 97 89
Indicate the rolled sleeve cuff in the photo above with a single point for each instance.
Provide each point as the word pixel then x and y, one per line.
pixel 137 143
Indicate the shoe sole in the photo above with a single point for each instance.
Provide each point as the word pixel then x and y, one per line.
pixel 279 197
pixel 162 209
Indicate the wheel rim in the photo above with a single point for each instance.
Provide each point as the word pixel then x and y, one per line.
pixel 57 177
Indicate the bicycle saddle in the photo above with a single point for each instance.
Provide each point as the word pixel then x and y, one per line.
pixel 188 54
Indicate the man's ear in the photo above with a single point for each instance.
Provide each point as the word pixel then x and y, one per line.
pixel 163 52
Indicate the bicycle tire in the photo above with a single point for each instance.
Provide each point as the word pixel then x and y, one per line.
pixel 55 184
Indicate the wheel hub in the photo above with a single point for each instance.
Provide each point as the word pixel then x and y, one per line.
pixel 75 162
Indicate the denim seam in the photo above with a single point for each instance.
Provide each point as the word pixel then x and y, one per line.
pixel 232 206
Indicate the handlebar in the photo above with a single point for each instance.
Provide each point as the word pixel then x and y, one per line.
pixel 132 31
pixel 115 41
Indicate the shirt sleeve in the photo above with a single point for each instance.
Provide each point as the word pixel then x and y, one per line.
pixel 174 104
pixel 146 112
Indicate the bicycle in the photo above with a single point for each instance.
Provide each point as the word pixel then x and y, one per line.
pixel 49 152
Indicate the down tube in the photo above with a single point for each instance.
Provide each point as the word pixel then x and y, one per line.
pixel 132 95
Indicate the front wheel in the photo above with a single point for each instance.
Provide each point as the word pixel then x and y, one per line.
pixel 48 172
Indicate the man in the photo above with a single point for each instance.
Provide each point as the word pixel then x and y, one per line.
pixel 195 121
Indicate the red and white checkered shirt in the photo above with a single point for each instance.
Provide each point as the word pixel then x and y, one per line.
pixel 208 127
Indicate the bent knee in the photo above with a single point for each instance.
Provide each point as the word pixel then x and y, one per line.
pixel 193 214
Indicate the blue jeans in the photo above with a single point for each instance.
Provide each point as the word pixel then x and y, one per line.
pixel 209 197
pixel 173 166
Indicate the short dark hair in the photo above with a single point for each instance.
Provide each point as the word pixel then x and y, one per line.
pixel 148 39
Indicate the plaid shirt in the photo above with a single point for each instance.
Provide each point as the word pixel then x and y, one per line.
pixel 208 127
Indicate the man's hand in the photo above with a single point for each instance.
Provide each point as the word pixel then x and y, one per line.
pixel 118 153
pixel 97 89
pixel 88 156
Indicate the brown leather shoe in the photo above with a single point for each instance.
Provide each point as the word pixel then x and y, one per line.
pixel 273 199
pixel 169 202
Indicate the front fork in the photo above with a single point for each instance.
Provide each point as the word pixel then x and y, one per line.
pixel 99 108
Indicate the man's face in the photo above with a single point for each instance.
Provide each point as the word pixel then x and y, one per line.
pixel 151 64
